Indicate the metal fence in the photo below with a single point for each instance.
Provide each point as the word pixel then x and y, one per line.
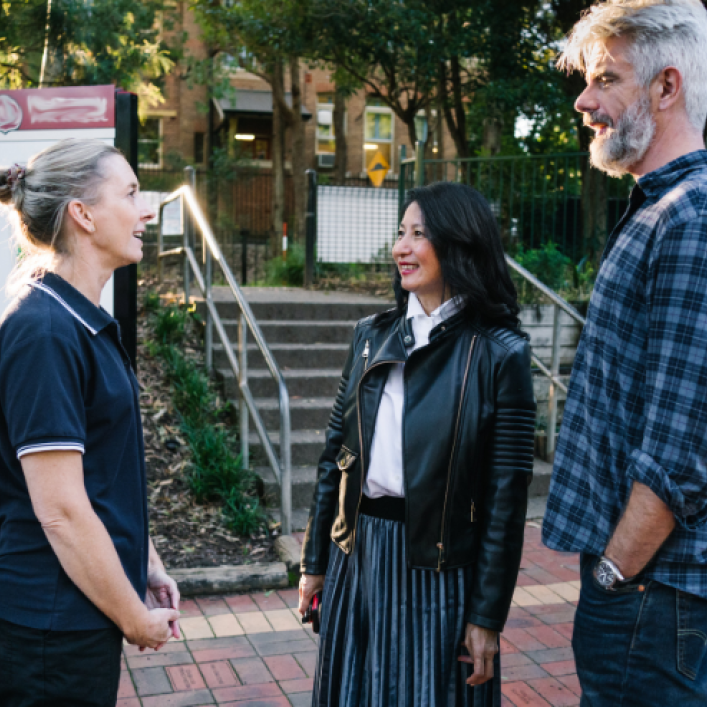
pixel 356 224
pixel 239 207
pixel 535 198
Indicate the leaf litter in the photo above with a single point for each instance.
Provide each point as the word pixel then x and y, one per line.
pixel 186 534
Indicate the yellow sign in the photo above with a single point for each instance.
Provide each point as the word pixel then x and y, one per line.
pixel 378 169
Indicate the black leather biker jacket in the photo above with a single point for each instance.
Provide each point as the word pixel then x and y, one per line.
pixel 468 427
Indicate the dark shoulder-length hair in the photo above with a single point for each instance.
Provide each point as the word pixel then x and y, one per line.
pixel 462 229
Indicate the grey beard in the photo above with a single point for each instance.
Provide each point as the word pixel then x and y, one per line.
pixel 628 143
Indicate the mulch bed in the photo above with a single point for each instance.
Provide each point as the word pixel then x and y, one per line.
pixel 185 533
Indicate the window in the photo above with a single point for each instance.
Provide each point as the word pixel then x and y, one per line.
pixel 378 132
pixel 243 61
pixel 149 143
pixel 326 140
pixel 199 152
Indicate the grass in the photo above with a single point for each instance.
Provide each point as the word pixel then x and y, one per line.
pixel 214 473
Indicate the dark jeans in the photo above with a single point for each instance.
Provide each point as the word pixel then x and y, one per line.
pixel 58 668
pixel 642 645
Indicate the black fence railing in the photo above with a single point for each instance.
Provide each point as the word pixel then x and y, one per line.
pixel 239 208
pixel 536 198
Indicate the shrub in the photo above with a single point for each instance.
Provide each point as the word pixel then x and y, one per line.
pixel 289 272
pixel 214 473
pixel 557 271
pixel 548 264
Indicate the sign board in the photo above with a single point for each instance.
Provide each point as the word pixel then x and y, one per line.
pixel 173 218
pixel 35 118
pixel 378 169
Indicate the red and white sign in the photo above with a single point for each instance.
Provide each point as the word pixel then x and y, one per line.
pixel 32 119
pixel 72 107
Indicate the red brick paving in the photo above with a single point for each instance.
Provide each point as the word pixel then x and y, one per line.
pixel 185 677
pixel 219 674
pixel 241 603
pixel 554 692
pixel 284 667
pixel 276 669
pixel 268 601
pixel 252 672
pixel 212 606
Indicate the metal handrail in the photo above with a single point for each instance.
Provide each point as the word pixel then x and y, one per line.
pixel 553 372
pixel 282 467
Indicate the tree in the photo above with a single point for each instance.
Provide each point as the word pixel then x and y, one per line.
pixel 594 182
pixel 419 55
pixel 277 36
pixel 71 42
pixel 385 47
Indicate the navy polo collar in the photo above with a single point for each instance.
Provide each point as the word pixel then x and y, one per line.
pixel 92 317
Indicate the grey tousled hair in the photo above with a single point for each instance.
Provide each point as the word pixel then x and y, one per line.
pixel 39 195
pixel 661 33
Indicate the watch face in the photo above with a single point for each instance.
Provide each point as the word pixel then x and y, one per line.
pixel 604 574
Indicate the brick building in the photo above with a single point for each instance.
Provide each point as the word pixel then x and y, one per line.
pixel 179 127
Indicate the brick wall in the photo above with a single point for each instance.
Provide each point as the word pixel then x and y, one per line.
pixel 182 117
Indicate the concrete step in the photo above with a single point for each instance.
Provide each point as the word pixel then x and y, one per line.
pixel 314 383
pixel 305 413
pixel 304 479
pixel 294 303
pixel 307 446
pixel 289 356
pixel 305 331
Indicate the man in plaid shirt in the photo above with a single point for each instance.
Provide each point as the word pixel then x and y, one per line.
pixel 629 488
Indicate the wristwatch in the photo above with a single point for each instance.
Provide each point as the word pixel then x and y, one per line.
pixel 607 574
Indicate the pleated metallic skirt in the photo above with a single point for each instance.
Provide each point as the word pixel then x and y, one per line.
pixel 390 636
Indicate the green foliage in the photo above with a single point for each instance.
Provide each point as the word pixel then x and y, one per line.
pixel 286 273
pixel 548 264
pixel 89 43
pixel 170 324
pixel 585 275
pixel 151 302
pixel 557 271
pixel 214 473
pixel 290 272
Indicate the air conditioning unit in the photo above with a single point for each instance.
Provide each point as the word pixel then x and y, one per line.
pixel 325 161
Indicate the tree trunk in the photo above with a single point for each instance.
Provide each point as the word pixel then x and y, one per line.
pixel 298 159
pixel 594 211
pixel 594 201
pixel 341 156
pixel 439 131
pixel 278 159
pixel 493 127
pixel 453 107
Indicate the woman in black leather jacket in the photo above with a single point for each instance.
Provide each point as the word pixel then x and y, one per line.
pixel 418 515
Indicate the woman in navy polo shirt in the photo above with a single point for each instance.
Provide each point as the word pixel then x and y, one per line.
pixel 77 568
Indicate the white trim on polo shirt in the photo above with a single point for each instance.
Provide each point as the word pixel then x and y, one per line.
pixel 51 293
pixel 50 447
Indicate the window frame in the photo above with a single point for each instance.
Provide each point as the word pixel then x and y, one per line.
pixel 384 110
pixel 331 138
pixel 159 140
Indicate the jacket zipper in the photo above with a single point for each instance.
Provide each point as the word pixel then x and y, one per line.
pixel 440 544
pixel 360 439
pixel 366 349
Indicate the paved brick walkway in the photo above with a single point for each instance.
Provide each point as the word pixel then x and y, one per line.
pixel 252 651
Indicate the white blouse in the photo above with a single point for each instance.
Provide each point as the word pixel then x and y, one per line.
pixel 385 471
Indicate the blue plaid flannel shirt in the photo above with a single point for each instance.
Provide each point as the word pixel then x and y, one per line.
pixel 637 403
